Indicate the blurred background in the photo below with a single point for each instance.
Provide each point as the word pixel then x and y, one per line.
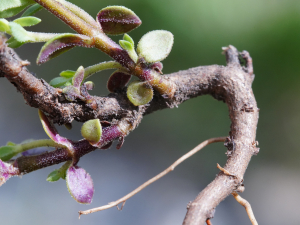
pixel 268 29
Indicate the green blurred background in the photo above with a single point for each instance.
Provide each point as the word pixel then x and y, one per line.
pixel 268 29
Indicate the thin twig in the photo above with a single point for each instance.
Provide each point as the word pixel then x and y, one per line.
pixel 226 172
pixel 247 206
pixel 169 169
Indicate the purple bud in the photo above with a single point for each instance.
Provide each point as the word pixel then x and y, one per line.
pixel 157 66
pixel 78 77
pixel 80 185
pixel 62 43
pixel 116 20
pixel 7 171
pixel 117 81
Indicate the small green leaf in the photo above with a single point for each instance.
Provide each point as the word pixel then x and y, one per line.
pixel 59 173
pixel 67 73
pixel 9 143
pixel 139 93
pixel 27 21
pixel 126 37
pixel 32 10
pixel 7 152
pixel 59 82
pixel 19 33
pixel 91 131
pixel 54 176
pixel 9 8
pixel 4 26
pixel 126 45
pixel 155 45
pixel 116 20
pixel 13 43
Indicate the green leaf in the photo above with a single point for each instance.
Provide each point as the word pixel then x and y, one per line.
pixel 11 143
pixel 32 10
pixel 4 26
pixel 59 82
pixel 139 93
pixel 59 173
pixel 27 21
pixel 126 45
pixel 9 8
pixel 67 73
pixel 155 45
pixel 91 131
pixel 7 152
pixel 19 33
pixel 126 37
pixel 13 43
pixel 54 176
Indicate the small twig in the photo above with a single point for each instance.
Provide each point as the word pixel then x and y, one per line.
pixel 247 206
pixel 120 209
pixel 169 169
pixel 226 172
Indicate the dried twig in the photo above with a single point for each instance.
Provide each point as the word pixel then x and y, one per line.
pixel 169 169
pixel 247 206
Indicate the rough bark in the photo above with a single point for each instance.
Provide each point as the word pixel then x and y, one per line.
pixel 231 84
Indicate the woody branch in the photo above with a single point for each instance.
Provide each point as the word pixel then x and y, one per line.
pixel 231 84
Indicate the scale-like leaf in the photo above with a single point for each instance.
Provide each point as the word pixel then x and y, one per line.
pixel 116 20
pixel 155 45
pixel 78 77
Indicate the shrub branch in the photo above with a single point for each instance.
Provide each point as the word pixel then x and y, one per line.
pixel 231 84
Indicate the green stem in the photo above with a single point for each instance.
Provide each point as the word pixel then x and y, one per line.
pixel 68 17
pixel 36 144
pixel 101 66
pixel 41 37
pixel 80 13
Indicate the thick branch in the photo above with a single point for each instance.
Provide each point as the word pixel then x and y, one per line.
pixel 231 84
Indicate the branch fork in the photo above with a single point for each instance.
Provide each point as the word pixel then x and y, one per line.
pixel 231 84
